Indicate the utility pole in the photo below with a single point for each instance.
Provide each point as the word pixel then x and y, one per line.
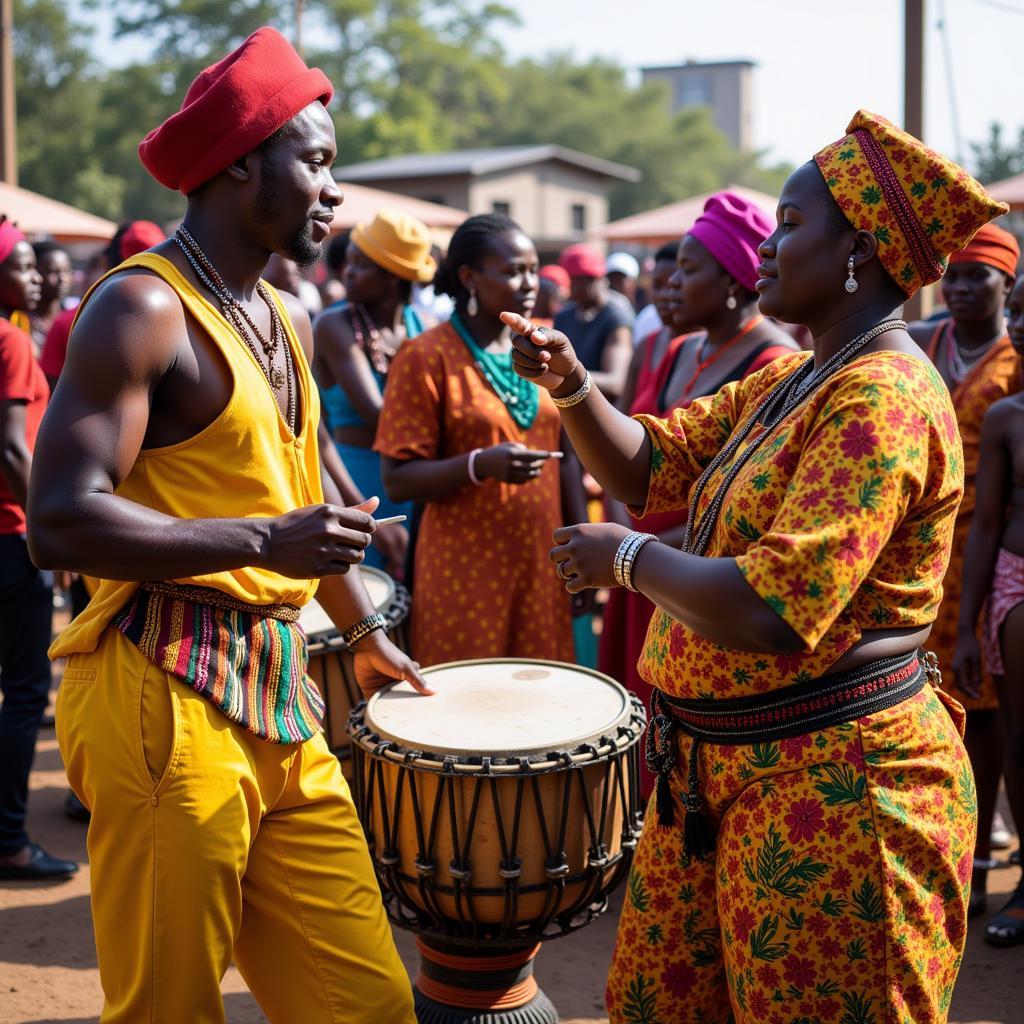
pixel 8 111
pixel 298 26
pixel 919 305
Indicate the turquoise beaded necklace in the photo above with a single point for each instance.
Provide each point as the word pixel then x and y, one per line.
pixel 520 396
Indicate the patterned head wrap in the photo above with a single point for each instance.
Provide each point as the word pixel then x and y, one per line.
pixel 918 204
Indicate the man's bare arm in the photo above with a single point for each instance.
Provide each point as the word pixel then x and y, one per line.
pixel 125 342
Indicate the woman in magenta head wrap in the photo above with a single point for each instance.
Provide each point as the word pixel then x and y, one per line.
pixel 721 337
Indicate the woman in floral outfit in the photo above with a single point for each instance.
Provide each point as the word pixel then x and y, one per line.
pixel 808 849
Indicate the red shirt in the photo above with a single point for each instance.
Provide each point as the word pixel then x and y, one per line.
pixel 21 380
pixel 55 348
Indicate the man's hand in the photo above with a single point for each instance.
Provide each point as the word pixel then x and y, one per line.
pixel 379 662
pixel 319 540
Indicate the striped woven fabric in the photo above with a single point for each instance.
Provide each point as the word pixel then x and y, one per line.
pixel 251 668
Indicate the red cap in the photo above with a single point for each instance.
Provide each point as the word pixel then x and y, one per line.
pixel 139 236
pixel 230 109
pixel 554 273
pixel 582 260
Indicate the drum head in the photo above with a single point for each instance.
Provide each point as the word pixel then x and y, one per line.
pixel 315 622
pixel 501 708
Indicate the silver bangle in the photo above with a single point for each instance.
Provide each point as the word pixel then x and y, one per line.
pixel 471 467
pixel 626 555
pixel 363 628
pixel 568 401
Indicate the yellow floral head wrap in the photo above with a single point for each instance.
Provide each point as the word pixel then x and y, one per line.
pixel 918 204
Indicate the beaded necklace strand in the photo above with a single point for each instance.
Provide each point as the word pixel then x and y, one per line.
pixel 782 400
pixel 959 367
pixel 705 364
pixel 520 396
pixel 239 318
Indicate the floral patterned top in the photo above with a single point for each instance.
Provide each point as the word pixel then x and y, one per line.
pixel 842 521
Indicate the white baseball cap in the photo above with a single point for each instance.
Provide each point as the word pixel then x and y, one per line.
pixel 622 263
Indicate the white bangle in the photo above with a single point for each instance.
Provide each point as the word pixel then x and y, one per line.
pixel 568 401
pixel 471 467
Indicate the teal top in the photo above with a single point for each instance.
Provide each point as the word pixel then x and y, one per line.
pixel 338 408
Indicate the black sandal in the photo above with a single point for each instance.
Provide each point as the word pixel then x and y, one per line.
pixel 1007 927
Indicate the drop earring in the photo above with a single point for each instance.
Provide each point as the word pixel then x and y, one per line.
pixel 730 302
pixel 472 306
pixel 851 281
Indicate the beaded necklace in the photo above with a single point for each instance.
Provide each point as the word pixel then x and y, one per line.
pixel 239 318
pixel 704 364
pixel 521 397
pixel 368 338
pixel 959 367
pixel 782 400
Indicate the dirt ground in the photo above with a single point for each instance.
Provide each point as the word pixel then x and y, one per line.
pixel 48 968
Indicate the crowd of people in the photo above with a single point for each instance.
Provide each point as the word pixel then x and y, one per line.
pixel 730 475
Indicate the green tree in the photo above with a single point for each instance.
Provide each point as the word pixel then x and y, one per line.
pixel 58 103
pixel 994 160
pixel 591 107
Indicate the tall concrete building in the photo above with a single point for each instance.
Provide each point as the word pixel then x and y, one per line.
pixel 724 86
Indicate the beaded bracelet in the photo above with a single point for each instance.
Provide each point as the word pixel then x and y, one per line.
pixel 626 555
pixel 363 628
pixel 568 401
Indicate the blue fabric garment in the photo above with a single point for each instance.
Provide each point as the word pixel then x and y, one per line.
pixel 363 464
pixel 338 409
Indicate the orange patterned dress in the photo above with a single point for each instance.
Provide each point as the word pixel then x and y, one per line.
pixel 484 586
pixel 838 888
pixel 995 376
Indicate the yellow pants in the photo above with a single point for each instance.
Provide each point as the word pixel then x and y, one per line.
pixel 208 844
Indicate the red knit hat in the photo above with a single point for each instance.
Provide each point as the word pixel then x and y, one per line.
pixel 582 260
pixel 230 109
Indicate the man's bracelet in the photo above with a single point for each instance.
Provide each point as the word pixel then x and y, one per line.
pixel 363 628
pixel 568 401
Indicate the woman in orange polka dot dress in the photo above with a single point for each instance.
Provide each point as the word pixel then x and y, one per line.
pixel 461 432
pixel 807 853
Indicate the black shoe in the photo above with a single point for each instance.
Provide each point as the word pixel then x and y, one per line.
pixel 75 809
pixel 41 867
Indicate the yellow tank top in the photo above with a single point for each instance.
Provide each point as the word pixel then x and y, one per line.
pixel 245 463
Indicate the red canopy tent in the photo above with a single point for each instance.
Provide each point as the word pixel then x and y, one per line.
pixel 666 223
pixel 39 215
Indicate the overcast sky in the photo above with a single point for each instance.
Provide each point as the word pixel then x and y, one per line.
pixel 817 60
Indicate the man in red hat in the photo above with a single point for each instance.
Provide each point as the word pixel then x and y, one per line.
pixel 598 321
pixel 178 466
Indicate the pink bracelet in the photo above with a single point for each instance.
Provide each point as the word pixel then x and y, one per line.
pixel 471 467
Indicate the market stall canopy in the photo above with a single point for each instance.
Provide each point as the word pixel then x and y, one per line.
pixel 40 215
pixel 1009 190
pixel 362 203
pixel 666 223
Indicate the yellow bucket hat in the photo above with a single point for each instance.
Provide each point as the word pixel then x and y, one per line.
pixel 920 205
pixel 398 243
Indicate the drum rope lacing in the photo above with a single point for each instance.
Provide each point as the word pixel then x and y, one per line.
pixel 487 775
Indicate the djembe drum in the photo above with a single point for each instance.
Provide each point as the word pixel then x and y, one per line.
pixel 500 812
pixel 330 660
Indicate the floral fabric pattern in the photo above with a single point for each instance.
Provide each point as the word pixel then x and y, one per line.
pixel 918 204
pixel 995 376
pixel 779 926
pixel 842 521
